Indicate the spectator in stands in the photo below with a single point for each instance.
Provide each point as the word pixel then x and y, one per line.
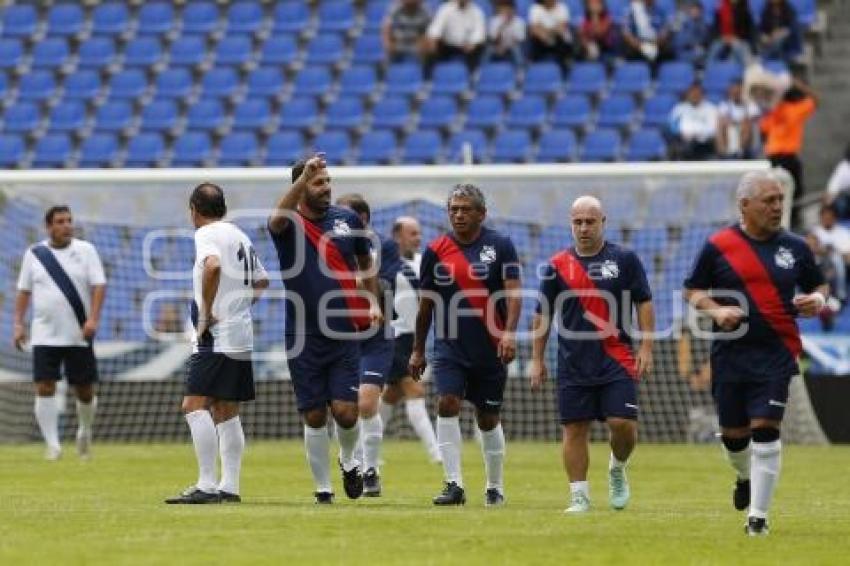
pixel 736 124
pixel 834 273
pixel 692 33
pixel 506 34
pixel 838 188
pixel 458 31
pixel 780 31
pixel 647 32
pixel 597 35
pixel 833 235
pixel 734 32
pixel 404 30
pixel 549 31
pixel 693 125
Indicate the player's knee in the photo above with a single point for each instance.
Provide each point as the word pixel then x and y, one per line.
pixel 315 418
pixel 487 421
pixel 45 388
pixel 622 428
pixel 412 389
pixel 85 393
pixel 765 434
pixel 345 415
pixel 734 444
pixel 193 403
pixel 576 432
pixel 448 406
pixel 392 395
pixel 223 411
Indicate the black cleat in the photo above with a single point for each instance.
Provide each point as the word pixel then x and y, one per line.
pixel 452 495
pixel 756 527
pixel 371 483
pixel 194 496
pixel 352 482
pixel 493 498
pixel 324 497
pixel 741 494
pixel 229 497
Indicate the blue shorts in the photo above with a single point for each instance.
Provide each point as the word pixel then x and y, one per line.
pixel 740 402
pixel 582 403
pixel 326 370
pixel 376 359
pixel 484 387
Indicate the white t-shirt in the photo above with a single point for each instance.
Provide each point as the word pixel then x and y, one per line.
pixel 458 27
pixel 53 320
pixel 240 268
pixel 555 18
pixel 838 238
pixel 514 31
pixel 695 122
pixel 840 179
pixel 736 114
pixel 406 299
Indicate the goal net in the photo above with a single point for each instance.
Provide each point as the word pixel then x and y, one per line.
pixel 138 220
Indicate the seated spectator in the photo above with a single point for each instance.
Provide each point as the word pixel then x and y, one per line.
pixel 549 31
pixel 692 33
pixel 780 31
pixel 458 31
pixel 596 34
pixel 835 274
pixel 693 124
pixel 734 32
pixel 404 29
pixel 838 188
pixel 647 32
pixel 736 125
pixel 506 34
pixel 832 234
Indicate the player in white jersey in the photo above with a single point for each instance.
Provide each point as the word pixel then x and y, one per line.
pixel 64 278
pixel 227 278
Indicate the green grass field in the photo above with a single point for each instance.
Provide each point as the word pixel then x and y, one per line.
pixel 110 511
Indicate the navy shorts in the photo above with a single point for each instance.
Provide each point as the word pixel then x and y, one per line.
pixel 483 386
pixel 326 370
pixel 79 363
pixel 401 358
pixel 740 402
pixel 582 403
pixel 220 376
pixel 376 359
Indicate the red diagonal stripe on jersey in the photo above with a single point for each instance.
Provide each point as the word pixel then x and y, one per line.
pixel 474 290
pixel 745 262
pixel 574 275
pixel 357 304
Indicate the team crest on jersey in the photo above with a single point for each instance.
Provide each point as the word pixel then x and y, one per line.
pixel 488 254
pixel 609 269
pixel 784 258
pixel 341 227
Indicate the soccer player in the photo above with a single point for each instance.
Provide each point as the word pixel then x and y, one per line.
pixel 745 278
pixel 475 335
pixel 64 278
pixel 590 291
pixel 323 249
pixel 400 385
pixel 227 278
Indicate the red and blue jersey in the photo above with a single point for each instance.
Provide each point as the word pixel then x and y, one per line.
pixel 464 276
pixel 579 293
pixel 766 275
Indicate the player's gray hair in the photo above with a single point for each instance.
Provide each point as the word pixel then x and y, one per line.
pixel 749 183
pixel 468 191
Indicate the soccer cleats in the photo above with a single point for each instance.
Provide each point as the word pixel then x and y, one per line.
pixel 452 495
pixel 741 494
pixel 371 483
pixel 756 527
pixel 194 496
pixel 618 488
pixel 493 498
pixel 579 503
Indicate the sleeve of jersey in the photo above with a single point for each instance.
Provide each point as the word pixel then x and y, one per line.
pixel 426 271
pixel 548 292
pixel 95 268
pixel 810 275
pixel 205 246
pixel 25 277
pixel 510 260
pixel 700 276
pixel 639 288
pixel 362 243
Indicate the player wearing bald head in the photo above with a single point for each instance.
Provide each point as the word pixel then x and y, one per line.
pixel 587 287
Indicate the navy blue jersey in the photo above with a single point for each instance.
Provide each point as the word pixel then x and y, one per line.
pixel 310 283
pixel 766 274
pixel 486 264
pixel 614 271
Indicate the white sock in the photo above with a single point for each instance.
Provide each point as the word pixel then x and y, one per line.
pixel 580 487
pixel 613 462
pixel 47 416
pixel 740 461
pixel 317 443
pixel 386 412
pixel 348 440
pixel 372 431
pixel 231 446
pixel 450 444
pixel 493 449
pixel 85 414
pixel 766 463
pixel 205 440
pixel 417 414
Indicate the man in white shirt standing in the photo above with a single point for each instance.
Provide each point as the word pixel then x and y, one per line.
pixel 737 124
pixel 228 279
pixel 458 31
pixel 693 123
pixel 64 279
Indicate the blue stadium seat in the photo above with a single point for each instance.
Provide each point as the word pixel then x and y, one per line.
pixel 369 49
pixel 67 116
pixel 496 78
pixel 206 114
pixel 616 111
pixel 291 16
pixel 238 149
pixel 774 66
pixel 404 78
pixel 130 83
pixel 65 20
pixel 377 147
pixel 299 113
pixel 315 81
pixel 437 112
pixel 391 112
pixel 572 111
pixel 336 16
pixel 586 78
pixel 143 51
pixel 110 18
pixel 234 50
pixel 374 14
pixel 11 53
pixel 192 149
pixel 53 150
pixel 37 86
pixel 50 53
pixel 284 148
pixel 220 82
pixel 335 144
pixel 511 146
pixel 19 20
pixel 96 52
pixel 22 117
pixel 618 10
pixel 279 50
pixel 82 85
pixel 244 17
pixel 719 75
pixel 12 150
pixel 155 18
pixel 656 110
pixel 422 147
pixel 646 145
pixel 265 81
pixel 358 80
pixel 98 150
pixel 190 50
pixel 200 18
pixel 675 77
pixel 450 78
pixel 485 112
pixel 475 140
pixel 160 115
pixel 543 78
pixel 631 78
pixel 806 11
pixel 144 150
pixel 325 49
pixel 252 114
pixel 557 146
pixel 175 83
pixel 601 145
pixel 527 112
pixel 345 112
pixel 114 116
